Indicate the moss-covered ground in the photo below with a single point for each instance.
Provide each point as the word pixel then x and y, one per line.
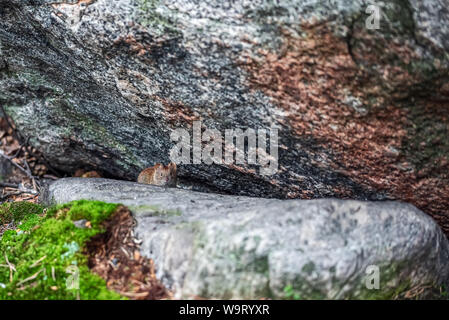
pixel 43 257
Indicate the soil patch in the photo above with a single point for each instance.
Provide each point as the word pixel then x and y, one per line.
pixel 114 255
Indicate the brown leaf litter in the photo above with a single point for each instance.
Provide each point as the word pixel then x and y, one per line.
pixel 115 256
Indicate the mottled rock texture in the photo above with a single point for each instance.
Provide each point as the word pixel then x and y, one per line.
pixel 219 246
pixel 362 114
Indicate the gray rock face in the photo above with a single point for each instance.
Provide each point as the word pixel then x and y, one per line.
pixel 360 112
pixel 217 246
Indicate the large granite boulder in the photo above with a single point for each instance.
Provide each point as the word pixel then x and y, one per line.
pixel 361 112
pixel 218 246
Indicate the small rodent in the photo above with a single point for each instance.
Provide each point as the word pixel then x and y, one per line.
pixel 159 175
pixel 91 174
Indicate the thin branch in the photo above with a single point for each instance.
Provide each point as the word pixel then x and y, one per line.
pixel 9 185
pixel 14 164
pixel 30 174
pixel 11 268
pixel 49 176
pixel 32 192
pixel 21 148
pixel 34 276
pixel 42 158
pixel 6 117
pixel 38 262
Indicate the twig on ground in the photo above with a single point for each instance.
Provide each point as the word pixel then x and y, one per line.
pixel 30 174
pixel 134 294
pixel 25 143
pixel 19 192
pixel 11 268
pixel 41 158
pixel 34 276
pixel 17 135
pixel 125 252
pixel 13 163
pixel 38 262
pixel 9 185
pixel 49 176
pixel 28 198
pixel 21 148
pixel 27 172
pixel 14 131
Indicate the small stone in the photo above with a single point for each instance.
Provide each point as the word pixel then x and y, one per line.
pixel 81 224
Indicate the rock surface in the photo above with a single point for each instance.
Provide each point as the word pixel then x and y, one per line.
pixel 218 246
pixel 6 169
pixel 361 113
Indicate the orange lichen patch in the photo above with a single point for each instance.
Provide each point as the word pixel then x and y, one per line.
pixel 178 114
pixel 242 169
pixel 135 46
pixel 142 48
pixel 352 112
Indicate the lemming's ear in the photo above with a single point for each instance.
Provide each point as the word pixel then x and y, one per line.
pixel 172 165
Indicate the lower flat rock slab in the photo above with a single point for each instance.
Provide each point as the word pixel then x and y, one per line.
pixel 216 246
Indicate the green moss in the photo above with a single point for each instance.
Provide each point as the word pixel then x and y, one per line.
pixel 15 211
pixel 391 284
pixel 47 251
pixel 36 81
pixel 389 294
pixel 301 289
